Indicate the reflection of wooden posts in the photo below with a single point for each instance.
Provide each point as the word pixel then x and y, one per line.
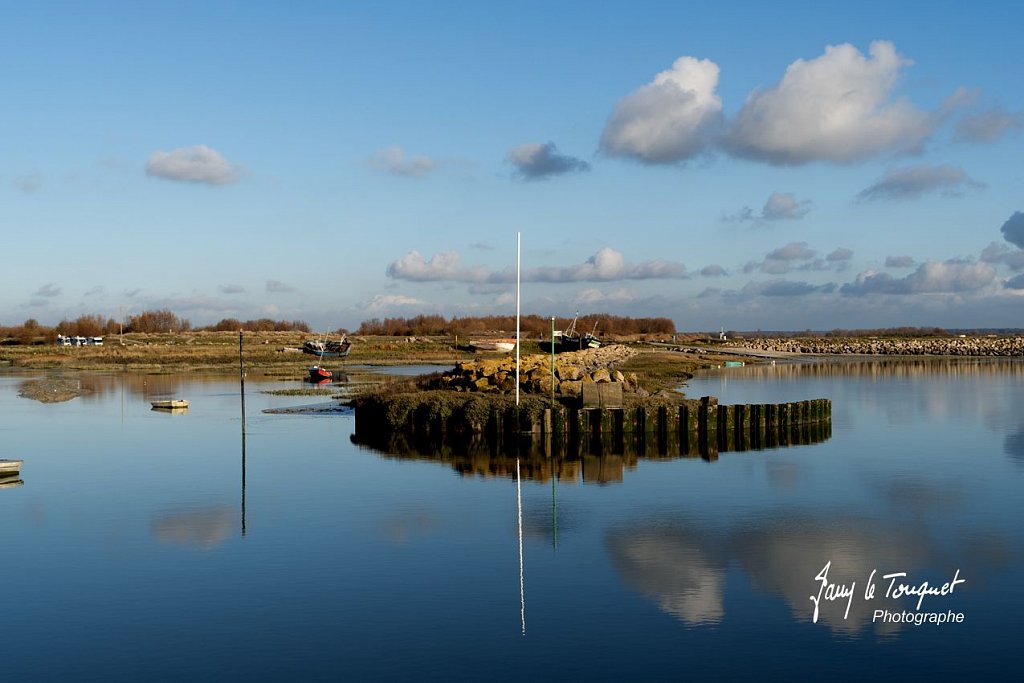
pixel 742 427
pixel 665 419
pixel 756 425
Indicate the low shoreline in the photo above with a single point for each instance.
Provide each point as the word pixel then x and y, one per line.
pixel 659 365
pixel 938 346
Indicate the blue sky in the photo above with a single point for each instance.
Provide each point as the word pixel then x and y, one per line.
pixel 785 165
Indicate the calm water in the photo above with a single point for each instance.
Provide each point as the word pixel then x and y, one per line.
pixel 135 551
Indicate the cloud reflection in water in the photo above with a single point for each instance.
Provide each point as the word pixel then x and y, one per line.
pixel 204 528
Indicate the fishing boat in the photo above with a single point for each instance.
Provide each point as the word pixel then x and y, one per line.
pixel 9 467
pixel 170 404
pixel 493 344
pixel 328 349
pixel 571 340
pixel 319 373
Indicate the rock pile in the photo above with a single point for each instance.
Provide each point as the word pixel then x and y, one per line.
pixel 937 346
pixel 572 370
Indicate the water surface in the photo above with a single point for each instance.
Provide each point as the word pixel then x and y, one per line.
pixel 148 546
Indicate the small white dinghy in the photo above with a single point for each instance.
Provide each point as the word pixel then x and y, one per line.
pixel 170 404
pixel 8 467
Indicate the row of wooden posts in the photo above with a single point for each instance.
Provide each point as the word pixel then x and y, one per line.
pixel 696 427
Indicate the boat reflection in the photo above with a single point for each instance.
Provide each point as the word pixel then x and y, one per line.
pixel 9 481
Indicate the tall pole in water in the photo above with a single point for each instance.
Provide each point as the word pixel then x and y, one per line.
pixel 241 384
pixel 241 378
pixel 518 242
pixel 552 361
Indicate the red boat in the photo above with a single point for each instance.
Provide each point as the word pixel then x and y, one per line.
pixel 318 373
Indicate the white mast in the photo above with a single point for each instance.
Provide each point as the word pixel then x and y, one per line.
pixel 518 241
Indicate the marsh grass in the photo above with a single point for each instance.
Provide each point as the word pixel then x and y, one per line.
pixel 660 370
pixel 311 391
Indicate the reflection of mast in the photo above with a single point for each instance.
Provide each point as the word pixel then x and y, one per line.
pixel 554 512
pixel 241 384
pixel 243 471
pixel 522 592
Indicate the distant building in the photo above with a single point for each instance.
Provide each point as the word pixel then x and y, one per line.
pixel 67 340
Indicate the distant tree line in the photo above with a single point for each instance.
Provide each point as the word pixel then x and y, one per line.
pixel 31 332
pixel 261 325
pixel 533 325
pixel 165 321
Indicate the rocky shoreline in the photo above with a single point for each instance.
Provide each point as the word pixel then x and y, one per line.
pixel 938 346
pixel 571 371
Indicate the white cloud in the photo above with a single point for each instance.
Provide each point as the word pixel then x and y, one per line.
pixel 798 256
pixel 988 126
pixel 394 160
pixel 931 277
pixel 1013 229
pixel 674 118
pixel 278 287
pixel 997 252
pixel 28 184
pixel 49 290
pixel 794 251
pixel 534 161
pixel 899 262
pixel 779 206
pixel 784 206
pixel 914 181
pixel 836 108
pixel 604 266
pixel 441 267
pixel 383 302
pixel 714 270
pixel 197 164
pixel 594 296
pixel 785 288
